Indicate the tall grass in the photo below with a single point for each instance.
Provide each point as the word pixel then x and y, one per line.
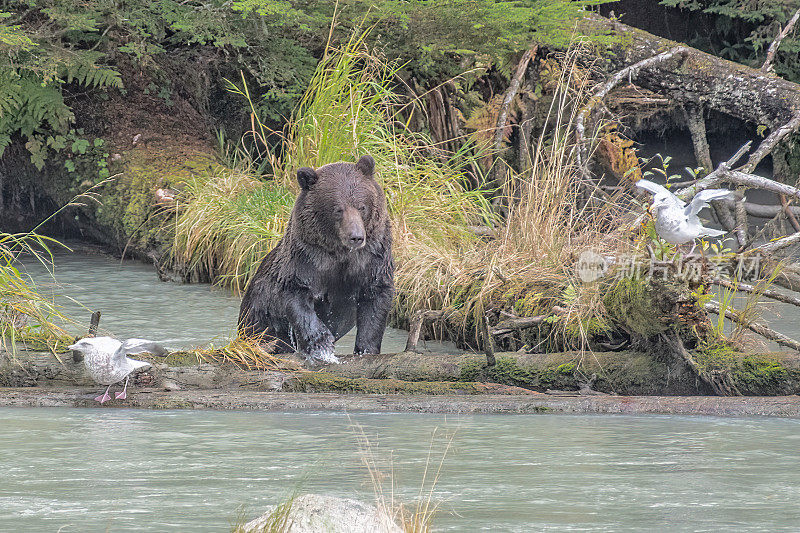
pixel 26 315
pixel 228 220
pixel 351 109
pixel 528 268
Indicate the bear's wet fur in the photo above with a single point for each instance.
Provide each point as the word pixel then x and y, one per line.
pixel 332 269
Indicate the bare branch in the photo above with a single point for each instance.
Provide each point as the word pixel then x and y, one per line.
pixel 769 143
pixel 627 72
pixel 789 211
pixel 767 66
pixel 513 87
pixel 780 244
pixel 715 177
pixel 768 293
pixel 760 182
pixel 761 329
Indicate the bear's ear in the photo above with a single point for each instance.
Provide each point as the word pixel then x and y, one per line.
pixel 366 165
pixel 306 177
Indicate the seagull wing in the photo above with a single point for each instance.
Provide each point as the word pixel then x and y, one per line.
pixel 134 346
pixel 702 198
pixel 708 232
pixel 659 191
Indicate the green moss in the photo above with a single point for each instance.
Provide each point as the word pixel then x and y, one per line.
pixel 176 359
pixel 508 371
pixel 646 307
pixel 567 368
pixel 326 382
pixel 759 374
pixel 128 205
pixel 473 371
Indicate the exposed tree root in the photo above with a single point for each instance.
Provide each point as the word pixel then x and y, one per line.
pixel 720 381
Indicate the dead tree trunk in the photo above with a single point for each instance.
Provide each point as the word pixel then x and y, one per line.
pixel 698 78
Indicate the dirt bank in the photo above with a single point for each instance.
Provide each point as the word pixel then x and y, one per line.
pixel 778 406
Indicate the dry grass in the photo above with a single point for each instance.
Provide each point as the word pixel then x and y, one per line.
pixel 413 518
pixel 228 221
pixel 531 260
pixel 245 353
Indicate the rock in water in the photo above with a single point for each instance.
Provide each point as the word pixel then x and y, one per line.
pixel 107 360
pixel 312 513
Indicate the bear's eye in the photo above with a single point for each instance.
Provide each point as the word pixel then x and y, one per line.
pixel 362 209
pixel 338 211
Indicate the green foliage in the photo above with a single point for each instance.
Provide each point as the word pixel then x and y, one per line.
pixel 35 71
pixel 26 315
pixel 742 30
pixel 434 38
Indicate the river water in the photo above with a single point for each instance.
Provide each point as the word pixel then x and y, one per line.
pixel 134 303
pixel 131 470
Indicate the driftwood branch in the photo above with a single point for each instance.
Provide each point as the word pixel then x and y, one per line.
pixel 513 87
pixel 418 320
pixel 628 72
pixel 769 211
pixel 515 324
pixel 760 329
pixel 790 212
pixel 746 180
pixel 768 293
pixel 715 177
pixel 488 342
pixel 94 323
pixel 773 48
pixel 697 129
pixel 780 244
pixel 769 143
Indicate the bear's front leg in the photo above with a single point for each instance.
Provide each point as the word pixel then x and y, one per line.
pixel 311 336
pixel 372 313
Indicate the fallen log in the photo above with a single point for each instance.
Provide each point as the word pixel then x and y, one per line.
pixel 624 372
pixel 694 79
pixel 725 86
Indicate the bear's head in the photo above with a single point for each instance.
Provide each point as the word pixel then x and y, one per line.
pixel 341 205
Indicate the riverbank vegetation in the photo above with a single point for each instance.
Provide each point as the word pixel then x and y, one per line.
pixel 503 144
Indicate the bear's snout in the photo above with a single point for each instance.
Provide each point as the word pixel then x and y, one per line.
pixel 352 229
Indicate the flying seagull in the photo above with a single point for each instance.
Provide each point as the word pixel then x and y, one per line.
pixel 107 360
pixel 676 222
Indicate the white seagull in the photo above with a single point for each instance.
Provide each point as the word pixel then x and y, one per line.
pixel 676 222
pixel 107 360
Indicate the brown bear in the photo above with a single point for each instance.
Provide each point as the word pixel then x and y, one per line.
pixel 332 269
